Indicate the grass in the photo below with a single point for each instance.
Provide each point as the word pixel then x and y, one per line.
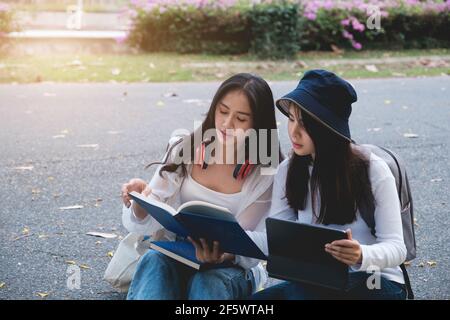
pixel 369 54
pixel 169 67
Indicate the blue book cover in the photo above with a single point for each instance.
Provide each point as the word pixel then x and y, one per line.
pixel 202 220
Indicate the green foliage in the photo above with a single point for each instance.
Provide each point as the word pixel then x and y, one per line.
pixel 189 30
pixel 279 29
pixel 274 30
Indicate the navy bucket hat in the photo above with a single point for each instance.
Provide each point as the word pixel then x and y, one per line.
pixel 324 96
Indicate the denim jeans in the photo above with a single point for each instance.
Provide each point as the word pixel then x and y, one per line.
pixel 158 277
pixel 358 290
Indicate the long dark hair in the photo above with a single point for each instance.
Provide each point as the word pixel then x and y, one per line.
pixel 339 176
pixel 261 102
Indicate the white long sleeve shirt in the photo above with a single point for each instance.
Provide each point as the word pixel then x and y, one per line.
pixel 385 251
pixel 250 206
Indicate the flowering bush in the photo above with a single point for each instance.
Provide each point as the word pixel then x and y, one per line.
pixel 279 28
pixel 189 26
pixel 403 23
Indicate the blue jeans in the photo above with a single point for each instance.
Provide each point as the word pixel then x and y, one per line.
pixel 358 290
pixel 158 277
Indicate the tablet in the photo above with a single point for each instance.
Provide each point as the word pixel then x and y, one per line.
pixel 297 253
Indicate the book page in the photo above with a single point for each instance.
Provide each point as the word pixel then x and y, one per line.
pixel 207 209
pixel 161 212
pixel 179 250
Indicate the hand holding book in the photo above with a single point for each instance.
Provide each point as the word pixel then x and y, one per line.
pixel 199 220
pixel 204 253
pixel 137 185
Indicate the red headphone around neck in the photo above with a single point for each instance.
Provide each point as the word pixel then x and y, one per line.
pixel 241 170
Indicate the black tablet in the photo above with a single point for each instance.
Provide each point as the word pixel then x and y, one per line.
pixel 297 252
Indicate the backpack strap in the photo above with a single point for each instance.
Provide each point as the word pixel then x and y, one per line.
pixel 409 292
pixel 400 179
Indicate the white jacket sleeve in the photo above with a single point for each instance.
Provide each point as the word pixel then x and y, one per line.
pixel 279 209
pixel 389 250
pixel 147 226
pixel 162 189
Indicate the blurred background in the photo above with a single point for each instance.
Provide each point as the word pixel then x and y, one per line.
pixel 192 40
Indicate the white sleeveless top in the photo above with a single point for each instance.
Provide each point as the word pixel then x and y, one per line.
pixel 192 190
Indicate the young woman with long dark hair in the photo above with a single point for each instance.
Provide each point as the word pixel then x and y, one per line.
pixel 244 102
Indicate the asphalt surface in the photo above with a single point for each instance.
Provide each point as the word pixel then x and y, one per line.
pixel 74 144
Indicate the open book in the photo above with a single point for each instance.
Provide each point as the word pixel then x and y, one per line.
pixel 198 219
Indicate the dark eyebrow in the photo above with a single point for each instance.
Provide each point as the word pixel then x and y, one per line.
pixel 291 114
pixel 244 113
pixel 224 105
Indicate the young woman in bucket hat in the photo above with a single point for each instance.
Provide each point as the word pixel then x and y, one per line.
pixel 324 181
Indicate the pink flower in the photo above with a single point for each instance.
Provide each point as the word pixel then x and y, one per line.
pixel 345 22
pixel 356 45
pixel 328 5
pixel 310 16
pixel 357 25
pixel 4 7
pixel 347 35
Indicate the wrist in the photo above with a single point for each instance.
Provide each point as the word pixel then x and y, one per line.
pixel 137 211
pixel 360 258
pixel 228 257
pixel 142 187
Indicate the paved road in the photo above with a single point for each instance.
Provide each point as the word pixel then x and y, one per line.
pixel 71 144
